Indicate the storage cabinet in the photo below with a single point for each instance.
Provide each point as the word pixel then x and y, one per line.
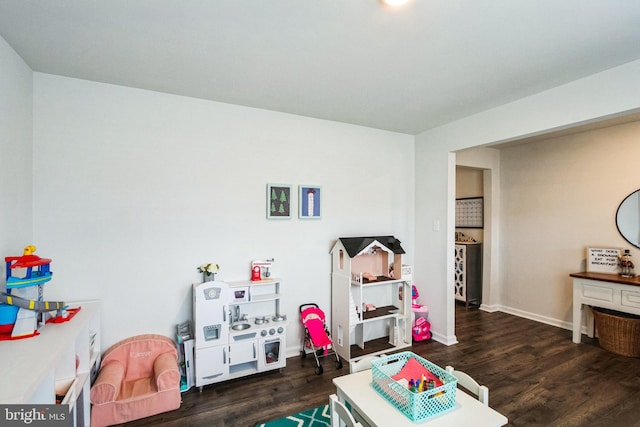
pixel 186 354
pixel 62 360
pixel 468 273
pixel 184 336
pixel 367 303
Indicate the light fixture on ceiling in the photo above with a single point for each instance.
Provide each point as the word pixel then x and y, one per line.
pixel 394 2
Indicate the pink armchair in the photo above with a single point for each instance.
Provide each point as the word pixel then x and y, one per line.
pixel 139 377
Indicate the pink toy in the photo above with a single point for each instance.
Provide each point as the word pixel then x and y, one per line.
pixel 139 377
pixel 316 335
pixel 313 319
pixel 421 330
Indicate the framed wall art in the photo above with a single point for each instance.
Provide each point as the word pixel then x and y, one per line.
pixel 309 201
pixel 470 212
pixel 278 201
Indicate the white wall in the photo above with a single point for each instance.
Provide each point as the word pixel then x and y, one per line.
pixel 468 182
pixel 134 189
pixel 16 123
pixel 560 196
pixel 607 94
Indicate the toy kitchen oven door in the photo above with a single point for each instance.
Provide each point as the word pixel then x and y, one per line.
pixel 271 348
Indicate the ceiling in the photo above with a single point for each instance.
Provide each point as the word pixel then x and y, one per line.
pixel 354 61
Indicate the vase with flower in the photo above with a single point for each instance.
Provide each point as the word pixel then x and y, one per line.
pixel 208 271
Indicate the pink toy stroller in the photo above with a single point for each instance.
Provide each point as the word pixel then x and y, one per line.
pixel 316 335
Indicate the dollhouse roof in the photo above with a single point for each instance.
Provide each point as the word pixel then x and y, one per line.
pixel 355 245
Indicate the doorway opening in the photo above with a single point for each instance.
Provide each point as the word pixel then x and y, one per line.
pixel 477 174
pixel 469 236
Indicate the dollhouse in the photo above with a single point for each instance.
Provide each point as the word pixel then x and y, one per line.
pixel 369 300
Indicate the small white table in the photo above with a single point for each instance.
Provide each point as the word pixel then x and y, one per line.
pixel 604 290
pixel 378 412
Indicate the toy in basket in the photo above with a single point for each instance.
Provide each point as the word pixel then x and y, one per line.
pixel 416 387
pixel 316 335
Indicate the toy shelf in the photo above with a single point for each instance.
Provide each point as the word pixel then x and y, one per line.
pixel 366 282
pixel 58 363
pixel 260 298
pixel 381 313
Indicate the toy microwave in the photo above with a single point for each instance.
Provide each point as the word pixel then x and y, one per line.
pixel 240 294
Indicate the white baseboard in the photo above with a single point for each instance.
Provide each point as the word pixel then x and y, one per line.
pixel 535 317
pixel 490 308
pixel 443 339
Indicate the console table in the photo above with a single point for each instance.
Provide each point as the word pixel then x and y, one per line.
pixel 604 290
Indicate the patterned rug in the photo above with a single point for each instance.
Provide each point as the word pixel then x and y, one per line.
pixel 316 417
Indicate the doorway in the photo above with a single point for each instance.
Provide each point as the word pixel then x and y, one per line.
pixel 477 174
pixel 469 236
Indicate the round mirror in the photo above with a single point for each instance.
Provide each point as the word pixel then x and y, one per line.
pixel 628 218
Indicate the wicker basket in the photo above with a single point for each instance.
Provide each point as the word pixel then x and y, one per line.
pixel 618 332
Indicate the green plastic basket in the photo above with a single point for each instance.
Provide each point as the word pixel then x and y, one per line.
pixel 417 406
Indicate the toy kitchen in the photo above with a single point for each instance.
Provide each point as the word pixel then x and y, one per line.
pixel 239 329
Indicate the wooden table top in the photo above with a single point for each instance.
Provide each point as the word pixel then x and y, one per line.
pixel 608 277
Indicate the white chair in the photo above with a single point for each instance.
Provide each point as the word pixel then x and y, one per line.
pixel 464 380
pixel 340 415
pixel 362 364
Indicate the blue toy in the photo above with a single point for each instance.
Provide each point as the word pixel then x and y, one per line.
pixel 23 301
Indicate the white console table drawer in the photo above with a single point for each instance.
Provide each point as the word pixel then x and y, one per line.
pixel 604 290
pixel 631 299
pixel 597 293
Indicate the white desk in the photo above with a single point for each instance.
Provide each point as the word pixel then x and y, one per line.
pixel 378 412
pixel 602 290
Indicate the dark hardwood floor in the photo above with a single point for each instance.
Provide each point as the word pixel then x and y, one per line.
pixel 535 374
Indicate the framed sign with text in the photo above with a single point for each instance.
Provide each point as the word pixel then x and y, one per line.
pixel 603 260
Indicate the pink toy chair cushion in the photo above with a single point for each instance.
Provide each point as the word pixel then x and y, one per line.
pixel 139 377
pixel 138 353
pixel 166 376
pixel 107 386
